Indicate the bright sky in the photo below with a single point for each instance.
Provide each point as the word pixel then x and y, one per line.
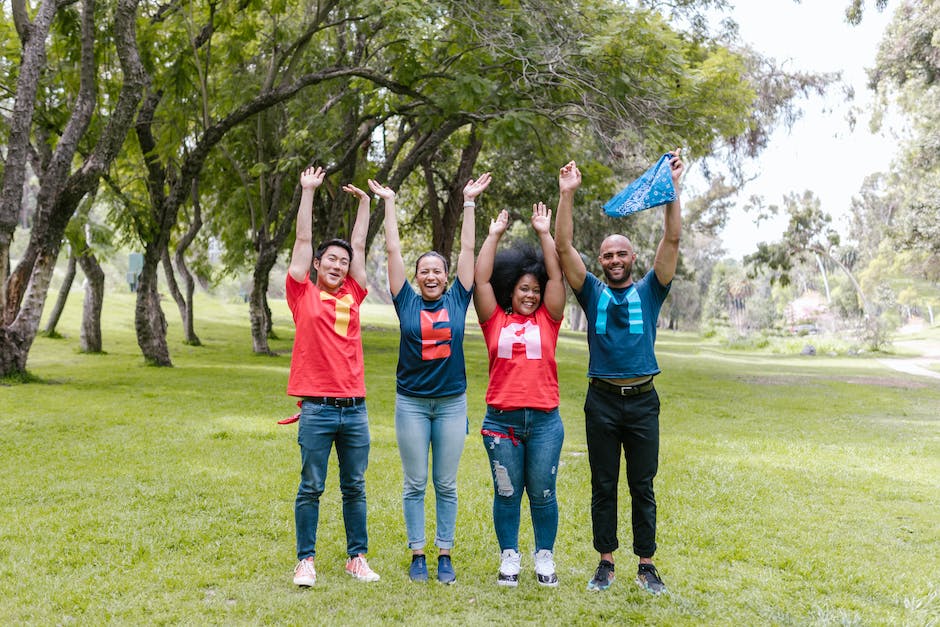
pixel 820 153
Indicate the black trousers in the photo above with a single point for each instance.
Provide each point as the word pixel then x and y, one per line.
pixel 631 423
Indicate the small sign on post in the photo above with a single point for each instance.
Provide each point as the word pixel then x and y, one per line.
pixel 135 265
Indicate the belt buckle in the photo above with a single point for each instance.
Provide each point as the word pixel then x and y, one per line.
pixel 627 390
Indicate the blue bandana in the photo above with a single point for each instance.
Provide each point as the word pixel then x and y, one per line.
pixel 653 188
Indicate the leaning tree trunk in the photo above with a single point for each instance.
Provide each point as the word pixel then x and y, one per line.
pixel 90 336
pixel 189 284
pixel 183 303
pixel 56 312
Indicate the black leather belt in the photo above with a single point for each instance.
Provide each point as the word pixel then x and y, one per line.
pixel 334 401
pixel 622 390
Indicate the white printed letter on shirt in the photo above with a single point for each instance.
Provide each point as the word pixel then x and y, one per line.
pixel 526 334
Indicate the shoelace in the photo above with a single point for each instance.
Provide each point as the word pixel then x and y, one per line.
pixel 360 565
pixel 649 569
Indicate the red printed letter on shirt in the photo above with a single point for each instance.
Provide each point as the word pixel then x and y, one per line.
pixel 435 341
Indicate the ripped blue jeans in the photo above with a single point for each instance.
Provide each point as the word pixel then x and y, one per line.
pixel 524 446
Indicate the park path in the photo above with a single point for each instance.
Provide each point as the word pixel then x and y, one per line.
pixel 929 355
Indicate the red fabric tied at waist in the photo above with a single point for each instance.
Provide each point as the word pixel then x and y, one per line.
pixel 495 434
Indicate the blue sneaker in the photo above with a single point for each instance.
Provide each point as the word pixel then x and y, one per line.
pixel 648 578
pixel 603 577
pixel 445 570
pixel 419 568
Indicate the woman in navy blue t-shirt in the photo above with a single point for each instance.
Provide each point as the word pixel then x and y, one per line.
pixel 431 397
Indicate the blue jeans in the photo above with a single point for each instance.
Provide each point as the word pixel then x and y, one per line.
pixel 524 446
pixel 320 427
pixel 441 425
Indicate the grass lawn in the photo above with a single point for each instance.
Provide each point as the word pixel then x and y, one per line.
pixel 792 490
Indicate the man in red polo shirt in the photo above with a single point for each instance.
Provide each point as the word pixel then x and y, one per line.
pixel 326 372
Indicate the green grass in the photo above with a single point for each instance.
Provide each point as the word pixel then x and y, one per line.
pixel 791 491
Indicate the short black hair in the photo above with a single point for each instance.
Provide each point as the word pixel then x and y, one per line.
pixel 334 242
pixel 433 253
pixel 510 265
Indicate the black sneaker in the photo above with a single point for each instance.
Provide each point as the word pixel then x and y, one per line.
pixel 648 579
pixel 603 576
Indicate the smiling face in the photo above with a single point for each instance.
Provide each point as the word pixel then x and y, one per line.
pixel 526 295
pixel 431 277
pixel 332 268
pixel 616 260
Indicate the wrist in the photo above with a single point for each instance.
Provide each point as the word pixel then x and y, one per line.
pixel 469 202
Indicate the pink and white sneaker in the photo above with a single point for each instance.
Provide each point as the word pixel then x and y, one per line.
pixel 304 573
pixel 358 567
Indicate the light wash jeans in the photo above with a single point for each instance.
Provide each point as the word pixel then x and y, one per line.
pixel 320 427
pixel 438 424
pixel 524 446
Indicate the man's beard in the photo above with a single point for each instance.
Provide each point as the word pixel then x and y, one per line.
pixel 627 270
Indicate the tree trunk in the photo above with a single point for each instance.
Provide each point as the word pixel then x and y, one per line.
pixel 90 337
pixel 453 206
pixel 149 321
pixel 17 338
pixel 56 312
pixel 184 302
pixel 20 122
pixel 189 285
pixel 171 284
pixel 576 318
pixel 259 312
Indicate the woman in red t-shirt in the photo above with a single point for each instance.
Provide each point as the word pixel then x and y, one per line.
pixel 520 302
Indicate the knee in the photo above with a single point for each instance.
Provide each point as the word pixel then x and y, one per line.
pixel 446 488
pixel 542 497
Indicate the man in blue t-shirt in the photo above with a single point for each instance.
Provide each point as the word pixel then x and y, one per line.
pixel 622 407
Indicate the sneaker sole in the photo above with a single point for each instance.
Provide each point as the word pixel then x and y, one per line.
pixel 305 584
pixel 592 587
pixel 361 578
pixel 549 584
pixel 507 583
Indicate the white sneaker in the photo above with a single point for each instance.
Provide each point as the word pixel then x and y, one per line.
pixel 545 568
pixel 358 567
pixel 304 573
pixel 509 568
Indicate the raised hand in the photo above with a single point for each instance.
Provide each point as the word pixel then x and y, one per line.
pixel 569 177
pixel 474 188
pixel 312 177
pixel 349 188
pixel 541 218
pixel 677 167
pixel 500 224
pixel 382 191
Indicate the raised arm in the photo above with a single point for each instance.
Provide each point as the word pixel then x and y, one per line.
pixel 569 180
pixel 468 231
pixel 667 254
pixel 396 265
pixel 357 266
pixel 484 298
pixel 554 296
pixel 302 255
